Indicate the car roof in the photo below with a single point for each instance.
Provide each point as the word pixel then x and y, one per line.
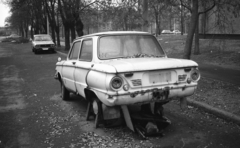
pixel 114 33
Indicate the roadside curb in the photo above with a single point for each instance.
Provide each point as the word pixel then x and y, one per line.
pixel 61 53
pixel 210 109
pixel 215 111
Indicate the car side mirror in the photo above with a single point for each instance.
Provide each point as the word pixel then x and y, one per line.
pixel 30 39
pixel 59 59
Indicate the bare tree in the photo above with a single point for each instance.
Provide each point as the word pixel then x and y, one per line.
pixel 194 18
pixel 158 7
pixel 70 13
pixel 194 9
pixel 52 13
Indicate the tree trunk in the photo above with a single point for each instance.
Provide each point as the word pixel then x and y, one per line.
pixel 73 33
pixel 196 49
pixel 145 15
pixel 26 30
pixel 170 22
pixel 188 44
pixel 57 30
pixel 58 36
pixel 53 33
pixel 182 20
pixel 67 37
pixel 79 27
pixel 157 22
pixel 31 29
pixel 36 30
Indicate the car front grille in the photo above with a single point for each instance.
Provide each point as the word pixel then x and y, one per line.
pixel 137 82
pixel 45 46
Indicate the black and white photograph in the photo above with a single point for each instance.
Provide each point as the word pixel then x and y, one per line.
pixel 119 73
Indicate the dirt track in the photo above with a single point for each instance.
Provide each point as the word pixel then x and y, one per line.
pixel 33 114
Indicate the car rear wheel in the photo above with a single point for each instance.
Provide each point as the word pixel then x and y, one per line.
pixel 64 92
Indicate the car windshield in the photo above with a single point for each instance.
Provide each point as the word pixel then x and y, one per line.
pixel 42 38
pixel 129 46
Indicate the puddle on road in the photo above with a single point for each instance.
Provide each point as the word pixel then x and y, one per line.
pixel 10 89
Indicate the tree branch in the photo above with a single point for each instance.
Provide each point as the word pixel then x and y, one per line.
pixel 210 8
pixel 186 6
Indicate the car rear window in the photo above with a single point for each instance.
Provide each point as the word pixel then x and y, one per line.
pixel 117 46
pixel 42 38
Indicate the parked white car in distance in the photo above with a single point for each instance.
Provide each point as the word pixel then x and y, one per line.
pixel 166 32
pixel 42 42
pixel 176 32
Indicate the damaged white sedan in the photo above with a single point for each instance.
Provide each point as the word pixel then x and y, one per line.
pixel 114 70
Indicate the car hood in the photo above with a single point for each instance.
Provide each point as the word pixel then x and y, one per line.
pixel 143 64
pixel 42 42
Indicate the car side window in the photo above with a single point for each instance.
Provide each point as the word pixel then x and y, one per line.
pixel 86 50
pixel 75 51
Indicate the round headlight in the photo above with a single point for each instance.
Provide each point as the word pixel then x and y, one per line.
pixel 195 75
pixel 116 82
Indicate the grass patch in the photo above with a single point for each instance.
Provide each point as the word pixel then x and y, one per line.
pixel 212 51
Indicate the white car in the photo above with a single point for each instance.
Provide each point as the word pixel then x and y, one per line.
pixel 166 32
pixel 42 42
pixel 118 69
pixel 176 32
pixel 14 36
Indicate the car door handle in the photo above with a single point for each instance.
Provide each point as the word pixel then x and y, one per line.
pixel 73 63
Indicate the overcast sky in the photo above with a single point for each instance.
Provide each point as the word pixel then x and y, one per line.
pixel 4 12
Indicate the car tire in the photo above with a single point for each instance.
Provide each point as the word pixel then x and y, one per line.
pixel 64 92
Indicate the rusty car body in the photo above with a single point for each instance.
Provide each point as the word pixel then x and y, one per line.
pixel 124 68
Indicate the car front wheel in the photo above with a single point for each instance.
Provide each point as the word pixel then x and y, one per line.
pixel 64 92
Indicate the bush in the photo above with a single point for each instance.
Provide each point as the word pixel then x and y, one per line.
pixel 16 40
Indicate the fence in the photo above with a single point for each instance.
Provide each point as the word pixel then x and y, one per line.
pixel 220 36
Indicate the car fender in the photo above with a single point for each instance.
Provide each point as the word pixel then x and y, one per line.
pixel 98 80
pixel 58 69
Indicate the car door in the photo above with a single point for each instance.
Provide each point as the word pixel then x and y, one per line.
pixel 83 65
pixel 69 67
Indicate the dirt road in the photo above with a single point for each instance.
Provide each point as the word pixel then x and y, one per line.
pixel 32 114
